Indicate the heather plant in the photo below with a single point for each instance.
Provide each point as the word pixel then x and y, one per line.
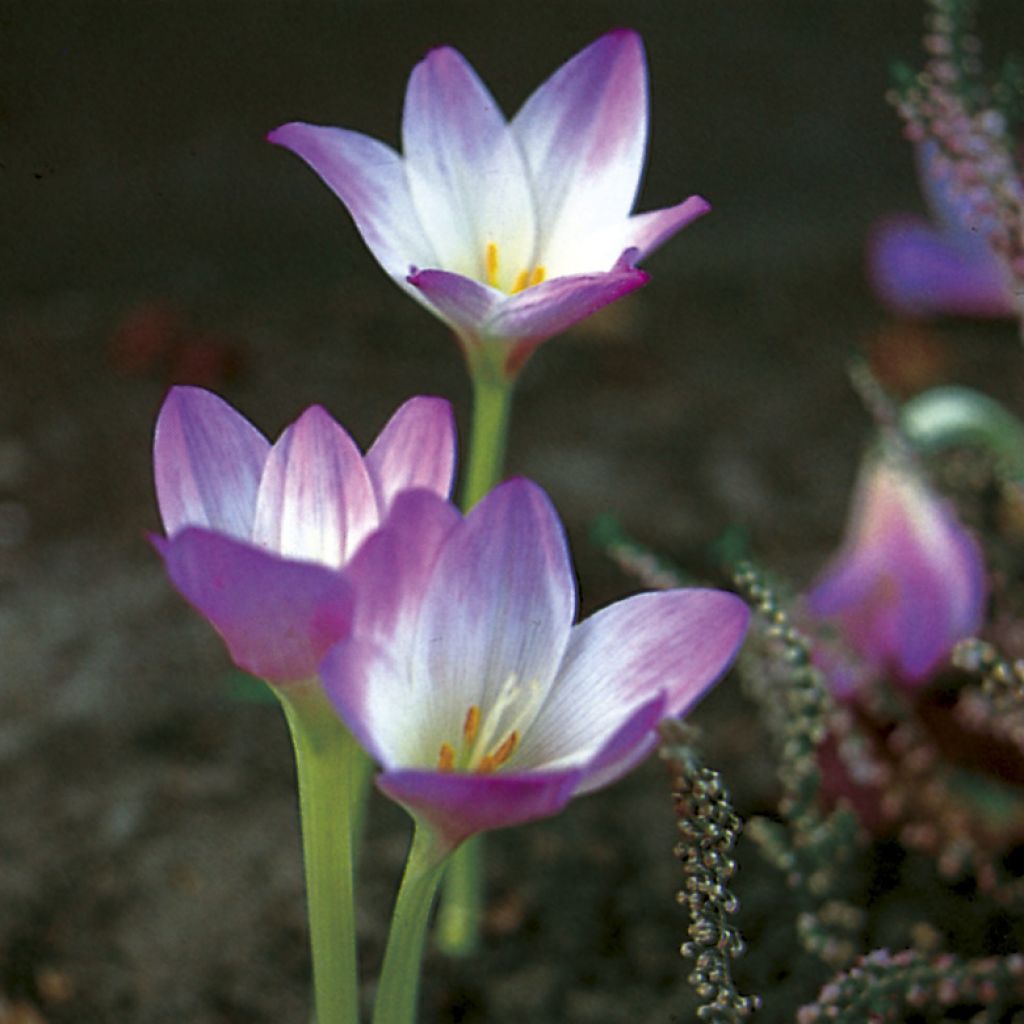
pixel 438 644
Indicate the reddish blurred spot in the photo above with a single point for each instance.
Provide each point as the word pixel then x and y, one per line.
pixel 156 340
pixel 907 358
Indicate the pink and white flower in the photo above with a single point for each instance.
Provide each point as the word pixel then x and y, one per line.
pixel 909 581
pixel 257 533
pixel 465 678
pixel 508 231
pixel 945 266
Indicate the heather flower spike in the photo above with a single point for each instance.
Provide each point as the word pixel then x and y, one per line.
pixel 909 581
pixel 510 232
pixel 257 533
pixel 942 267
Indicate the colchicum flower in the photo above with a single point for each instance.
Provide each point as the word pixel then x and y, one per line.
pixel 909 581
pixel 945 266
pixel 257 534
pixel 465 678
pixel 510 232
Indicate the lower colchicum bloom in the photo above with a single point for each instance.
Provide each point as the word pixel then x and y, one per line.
pixel 909 581
pixel 943 267
pixel 510 232
pixel 257 533
pixel 466 679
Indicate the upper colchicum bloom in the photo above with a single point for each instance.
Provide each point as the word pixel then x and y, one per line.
pixel 465 678
pixel 942 267
pixel 909 581
pixel 510 232
pixel 257 534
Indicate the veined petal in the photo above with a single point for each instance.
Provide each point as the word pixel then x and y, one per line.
pixel 584 132
pixel 919 271
pixel 457 806
pixel 416 448
pixel 466 174
pixel 499 606
pixel 315 501
pixel 626 747
pixel 466 305
pixel 677 642
pixel 207 461
pixel 277 617
pixel 369 178
pixel 390 571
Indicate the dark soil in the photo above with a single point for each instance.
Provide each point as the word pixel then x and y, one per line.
pixel 149 856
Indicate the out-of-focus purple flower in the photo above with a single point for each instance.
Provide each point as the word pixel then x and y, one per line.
pixel 257 533
pixel 944 266
pixel 466 679
pixel 909 581
pixel 508 231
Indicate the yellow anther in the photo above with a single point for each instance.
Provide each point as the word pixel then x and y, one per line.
pixel 446 758
pixel 522 281
pixel 491 262
pixel 538 275
pixel 471 725
pixel 501 755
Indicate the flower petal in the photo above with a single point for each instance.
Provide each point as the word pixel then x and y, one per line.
pixel 918 271
pixel 626 748
pixel 369 178
pixel 416 448
pixel 465 305
pixel 277 617
pixel 646 231
pixel 499 605
pixel 207 461
pixel 466 174
pixel 584 132
pixel 315 501
pixel 459 805
pixel 677 642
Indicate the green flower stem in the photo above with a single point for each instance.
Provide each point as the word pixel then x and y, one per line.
pixel 492 403
pixel 403 958
pixel 333 773
pixel 955 415
pixel 458 921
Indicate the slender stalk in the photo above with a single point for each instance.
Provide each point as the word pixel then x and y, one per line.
pixel 492 403
pixel 403 958
pixel 458 922
pixel 333 773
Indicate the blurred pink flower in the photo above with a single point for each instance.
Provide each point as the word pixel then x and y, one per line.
pixel 465 678
pixel 945 266
pixel 257 534
pixel 510 232
pixel 909 581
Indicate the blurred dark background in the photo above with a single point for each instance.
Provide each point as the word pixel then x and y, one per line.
pixel 149 866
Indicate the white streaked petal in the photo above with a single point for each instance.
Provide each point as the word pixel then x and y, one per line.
pixel 315 501
pixel 466 175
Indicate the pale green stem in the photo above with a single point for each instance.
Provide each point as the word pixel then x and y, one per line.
pixel 333 773
pixel 458 921
pixel 403 958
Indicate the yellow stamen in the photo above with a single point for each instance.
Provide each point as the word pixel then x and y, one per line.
pixel 501 755
pixel 538 275
pixel 446 758
pixel 472 723
pixel 491 262
pixel 522 281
